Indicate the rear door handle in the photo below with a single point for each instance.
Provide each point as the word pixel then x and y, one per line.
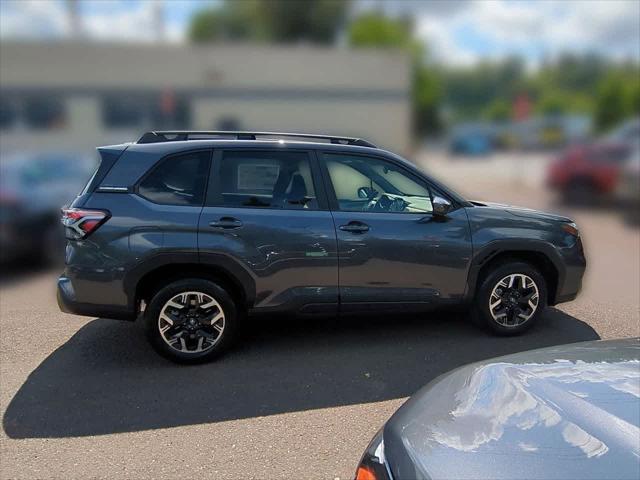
pixel 355 227
pixel 226 222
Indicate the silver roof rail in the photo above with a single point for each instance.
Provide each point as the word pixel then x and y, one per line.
pixel 159 136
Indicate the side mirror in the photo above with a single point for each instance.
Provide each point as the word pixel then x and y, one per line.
pixel 366 192
pixel 441 206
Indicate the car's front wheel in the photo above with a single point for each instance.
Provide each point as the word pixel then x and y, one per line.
pixel 191 320
pixel 511 298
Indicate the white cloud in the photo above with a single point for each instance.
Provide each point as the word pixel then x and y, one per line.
pixel 440 43
pixel 457 32
pixel 533 29
pixel 136 22
pixel 32 19
pixel 99 20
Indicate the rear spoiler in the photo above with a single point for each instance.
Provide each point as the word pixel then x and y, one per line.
pixel 108 157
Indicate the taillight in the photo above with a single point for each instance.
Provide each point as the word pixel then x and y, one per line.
pixel 81 222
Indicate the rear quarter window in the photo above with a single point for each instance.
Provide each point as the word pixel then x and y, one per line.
pixel 177 180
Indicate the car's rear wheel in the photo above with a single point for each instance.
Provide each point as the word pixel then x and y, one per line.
pixel 191 320
pixel 511 298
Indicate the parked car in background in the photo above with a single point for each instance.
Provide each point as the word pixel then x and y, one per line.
pixel 571 411
pixel 628 133
pixel 33 188
pixel 196 229
pixel 472 139
pixel 589 172
pixel 629 186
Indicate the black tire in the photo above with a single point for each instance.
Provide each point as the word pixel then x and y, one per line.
pixel 580 192
pixel 207 287
pixel 482 314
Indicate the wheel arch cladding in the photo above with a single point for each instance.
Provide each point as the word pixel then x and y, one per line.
pixel 233 278
pixel 537 255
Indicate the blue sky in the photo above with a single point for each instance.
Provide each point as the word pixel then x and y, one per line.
pixel 456 31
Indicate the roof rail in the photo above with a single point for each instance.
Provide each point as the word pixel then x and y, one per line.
pixel 183 135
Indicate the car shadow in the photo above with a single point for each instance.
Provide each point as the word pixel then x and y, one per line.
pixel 106 379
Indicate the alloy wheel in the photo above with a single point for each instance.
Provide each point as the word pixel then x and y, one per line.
pixel 191 322
pixel 514 300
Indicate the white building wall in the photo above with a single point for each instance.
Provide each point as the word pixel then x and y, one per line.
pixel 359 93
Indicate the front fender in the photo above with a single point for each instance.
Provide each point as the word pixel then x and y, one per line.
pixel 491 250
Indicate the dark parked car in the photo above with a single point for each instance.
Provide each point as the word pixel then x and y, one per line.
pixel 563 412
pixel 197 229
pixel 33 187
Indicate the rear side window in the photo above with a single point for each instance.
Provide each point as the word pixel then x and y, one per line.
pixel 178 180
pixel 265 179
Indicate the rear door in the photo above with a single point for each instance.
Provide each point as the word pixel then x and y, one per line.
pixel 393 252
pixel 164 214
pixel 267 210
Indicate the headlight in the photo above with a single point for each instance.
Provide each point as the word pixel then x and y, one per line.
pixel 373 465
pixel 571 229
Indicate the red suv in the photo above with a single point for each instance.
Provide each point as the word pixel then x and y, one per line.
pixel 588 172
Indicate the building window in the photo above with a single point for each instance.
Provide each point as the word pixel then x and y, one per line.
pixel 44 113
pixel 162 111
pixel 8 113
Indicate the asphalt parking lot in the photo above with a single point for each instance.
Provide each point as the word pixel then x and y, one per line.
pixel 83 397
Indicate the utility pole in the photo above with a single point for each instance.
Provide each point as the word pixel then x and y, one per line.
pixel 158 20
pixel 73 12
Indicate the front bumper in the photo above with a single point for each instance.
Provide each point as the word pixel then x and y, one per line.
pixel 570 278
pixel 68 303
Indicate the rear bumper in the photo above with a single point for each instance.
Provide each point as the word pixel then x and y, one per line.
pixel 68 303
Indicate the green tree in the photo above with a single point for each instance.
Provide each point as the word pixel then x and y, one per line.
pixel 232 21
pixel 471 90
pixel 634 96
pixel 498 111
pixel 316 21
pixel 376 30
pixel 611 102
pixel 275 21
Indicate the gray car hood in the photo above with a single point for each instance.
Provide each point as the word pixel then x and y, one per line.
pixel 522 211
pixel 562 412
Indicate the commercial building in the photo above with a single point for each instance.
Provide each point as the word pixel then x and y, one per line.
pixel 79 94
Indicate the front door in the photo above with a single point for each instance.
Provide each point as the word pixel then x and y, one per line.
pixel 393 252
pixel 266 211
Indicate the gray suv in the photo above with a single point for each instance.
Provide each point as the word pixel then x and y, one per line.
pixel 195 230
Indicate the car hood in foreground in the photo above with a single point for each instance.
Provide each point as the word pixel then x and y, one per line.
pixel 522 211
pixel 563 412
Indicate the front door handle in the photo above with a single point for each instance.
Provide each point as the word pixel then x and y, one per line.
pixel 226 222
pixel 355 227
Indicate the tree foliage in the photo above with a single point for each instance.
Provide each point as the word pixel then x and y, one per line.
pixel 498 111
pixel 274 21
pixel 570 83
pixel 617 98
pixel 376 30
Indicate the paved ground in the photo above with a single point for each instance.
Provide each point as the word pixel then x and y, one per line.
pixel 87 398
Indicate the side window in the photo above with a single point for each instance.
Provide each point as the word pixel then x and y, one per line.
pixel 365 184
pixel 178 180
pixel 265 179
